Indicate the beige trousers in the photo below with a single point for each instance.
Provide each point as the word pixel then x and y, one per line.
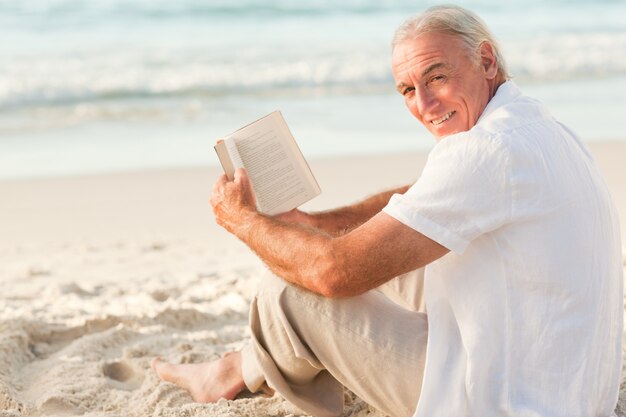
pixel 308 347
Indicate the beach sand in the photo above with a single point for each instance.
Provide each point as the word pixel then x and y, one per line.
pixel 100 274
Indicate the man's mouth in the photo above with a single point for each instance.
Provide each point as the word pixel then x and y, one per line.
pixel 443 118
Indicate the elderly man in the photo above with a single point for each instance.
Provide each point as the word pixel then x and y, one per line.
pixel 518 311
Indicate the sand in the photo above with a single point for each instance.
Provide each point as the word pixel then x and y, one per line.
pixel 100 274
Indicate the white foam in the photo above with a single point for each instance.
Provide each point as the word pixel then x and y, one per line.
pixel 130 73
pixel 568 56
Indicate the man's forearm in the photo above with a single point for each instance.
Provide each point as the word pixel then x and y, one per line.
pixel 295 252
pixel 342 220
pixel 300 248
pixel 342 266
pixel 311 257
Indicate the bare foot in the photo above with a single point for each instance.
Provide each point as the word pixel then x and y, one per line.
pixel 206 382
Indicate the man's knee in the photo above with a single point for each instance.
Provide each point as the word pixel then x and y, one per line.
pixel 274 294
pixel 271 283
pixel 274 291
pixel 406 290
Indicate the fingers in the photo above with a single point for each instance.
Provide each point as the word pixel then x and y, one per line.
pixel 240 176
pixel 231 200
pixel 288 216
pixel 223 179
pixel 230 192
pixel 219 184
pixel 218 189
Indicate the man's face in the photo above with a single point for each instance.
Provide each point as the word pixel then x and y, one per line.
pixel 442 87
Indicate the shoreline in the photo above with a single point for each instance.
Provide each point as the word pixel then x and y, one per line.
pixel 168 202
pixel 174 201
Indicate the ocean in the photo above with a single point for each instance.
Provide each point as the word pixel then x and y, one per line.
pixel 95 86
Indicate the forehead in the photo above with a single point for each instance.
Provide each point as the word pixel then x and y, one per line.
pixel 426 50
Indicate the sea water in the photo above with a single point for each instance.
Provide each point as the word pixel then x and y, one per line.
pixel 90 86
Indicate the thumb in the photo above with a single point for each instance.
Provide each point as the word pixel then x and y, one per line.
pixel 241 176
pixel 242 180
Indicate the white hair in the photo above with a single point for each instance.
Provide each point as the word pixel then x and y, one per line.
pixel 455 21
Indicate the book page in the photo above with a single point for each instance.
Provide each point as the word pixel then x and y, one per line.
pixel 279 176
pixel 233 152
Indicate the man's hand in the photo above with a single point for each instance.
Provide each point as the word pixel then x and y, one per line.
pixel 233 202
pixel 340 221
pixel 296 216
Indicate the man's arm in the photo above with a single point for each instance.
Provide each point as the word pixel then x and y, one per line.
pixel 339 221
pixel 371 254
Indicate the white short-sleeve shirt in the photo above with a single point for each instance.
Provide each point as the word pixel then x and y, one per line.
pixel 525 313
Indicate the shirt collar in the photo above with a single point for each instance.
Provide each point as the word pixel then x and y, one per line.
pixel 506 93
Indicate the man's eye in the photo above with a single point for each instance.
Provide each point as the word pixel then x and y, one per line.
pixel 437 78
pixel 408 90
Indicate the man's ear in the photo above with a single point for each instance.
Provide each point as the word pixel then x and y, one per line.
pixel 488 60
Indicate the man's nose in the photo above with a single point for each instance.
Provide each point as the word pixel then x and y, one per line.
pixel 425 100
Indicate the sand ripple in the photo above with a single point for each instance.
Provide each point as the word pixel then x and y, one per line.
pixel 80 323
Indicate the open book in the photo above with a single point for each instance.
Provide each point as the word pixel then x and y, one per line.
pixel 280 176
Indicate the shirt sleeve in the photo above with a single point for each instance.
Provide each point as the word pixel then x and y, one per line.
pixel 464 191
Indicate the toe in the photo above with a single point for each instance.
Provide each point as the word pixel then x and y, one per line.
pixel 165 371
pixel 155 362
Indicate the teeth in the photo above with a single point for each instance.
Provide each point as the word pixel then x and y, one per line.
pixel 442 119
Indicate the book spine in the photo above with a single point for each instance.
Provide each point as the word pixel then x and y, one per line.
pixel 229 157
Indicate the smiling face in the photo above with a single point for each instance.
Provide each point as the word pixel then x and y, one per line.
pixel 443 87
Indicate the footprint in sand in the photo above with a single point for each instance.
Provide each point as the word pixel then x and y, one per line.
pixel 123 375
pixel 59 407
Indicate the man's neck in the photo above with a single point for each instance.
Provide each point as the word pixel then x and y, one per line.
pixel 495 84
